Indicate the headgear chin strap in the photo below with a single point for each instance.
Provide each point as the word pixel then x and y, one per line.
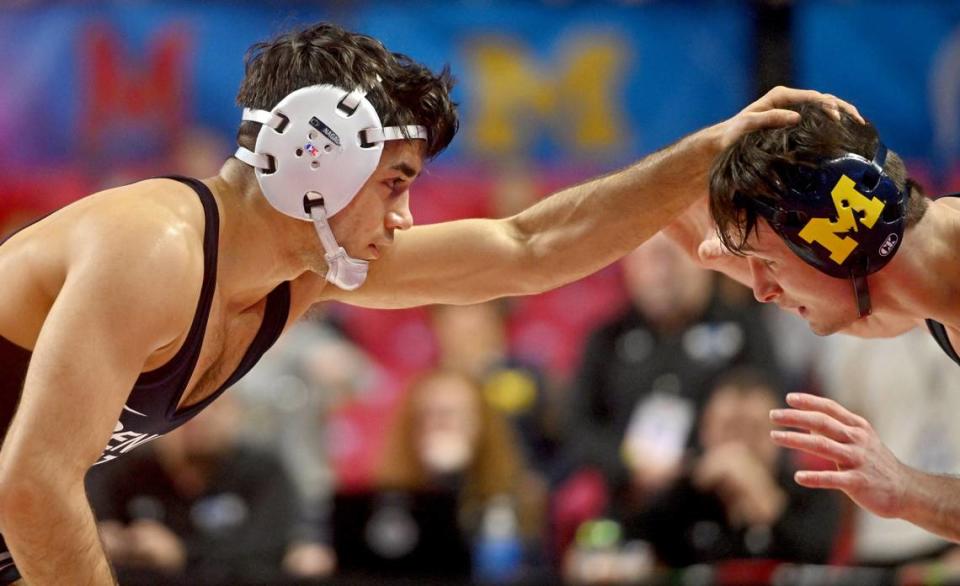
pixel 844 216
pixel 315 150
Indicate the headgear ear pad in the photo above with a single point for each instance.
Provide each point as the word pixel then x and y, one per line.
pixel 319 147
pixel 845 216
pixel 315 150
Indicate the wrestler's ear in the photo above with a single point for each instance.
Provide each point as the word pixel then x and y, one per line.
pixel 712 251
pixel 715 256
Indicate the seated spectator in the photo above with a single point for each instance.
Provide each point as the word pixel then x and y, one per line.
pixel 288 397
pixel 447 438
pixel 736 498
pixel 645 375
pixel 196 506
pixel 473 339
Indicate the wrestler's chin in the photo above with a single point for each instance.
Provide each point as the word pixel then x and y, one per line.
pixel 820 331
pixel 820 328
pixel 814 322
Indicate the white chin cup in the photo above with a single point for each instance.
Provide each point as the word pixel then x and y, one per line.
pixel 316 148
pixel 342 270
pixel 345 272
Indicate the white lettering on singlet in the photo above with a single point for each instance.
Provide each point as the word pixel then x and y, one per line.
pixel 122 441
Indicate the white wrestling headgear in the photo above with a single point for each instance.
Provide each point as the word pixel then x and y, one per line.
pixel 314 152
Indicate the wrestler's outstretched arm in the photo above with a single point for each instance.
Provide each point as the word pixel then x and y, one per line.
pixel 127 289
pixel 566 236
pixel 866 469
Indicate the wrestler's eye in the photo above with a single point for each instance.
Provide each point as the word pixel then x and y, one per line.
pixel 396 184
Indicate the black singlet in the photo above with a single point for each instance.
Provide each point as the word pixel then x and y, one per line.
pixel 939 333
pixel 151 408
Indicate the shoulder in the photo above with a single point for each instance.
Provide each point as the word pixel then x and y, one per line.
pixel 140 211
pixel 132 230
pixel 952 203
pixel 141 247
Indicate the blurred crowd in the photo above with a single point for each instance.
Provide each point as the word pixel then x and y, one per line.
pixel 652 457
pixel 480 461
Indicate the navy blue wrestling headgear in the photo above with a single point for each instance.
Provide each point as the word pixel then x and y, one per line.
pixel 844 216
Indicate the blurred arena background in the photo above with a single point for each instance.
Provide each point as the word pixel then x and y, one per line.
pixel 100 93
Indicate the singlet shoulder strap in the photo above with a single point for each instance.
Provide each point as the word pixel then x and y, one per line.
pixel 189 351
pixel 211 239
pixel 939 333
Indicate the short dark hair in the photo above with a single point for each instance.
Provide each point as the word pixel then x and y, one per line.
pixel 754 167
pixel 747 378
pixel 407 92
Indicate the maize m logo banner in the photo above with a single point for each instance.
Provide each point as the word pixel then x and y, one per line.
pixel 602 83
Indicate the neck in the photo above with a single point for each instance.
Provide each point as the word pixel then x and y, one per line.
pixel 923 279
pixel 259 246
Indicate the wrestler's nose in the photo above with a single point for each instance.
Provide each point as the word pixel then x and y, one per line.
pixel 765 286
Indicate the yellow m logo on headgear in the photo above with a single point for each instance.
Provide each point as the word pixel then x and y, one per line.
pixel 825 232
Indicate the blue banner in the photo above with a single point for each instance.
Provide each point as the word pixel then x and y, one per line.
pixel 592 83
pixel 899 62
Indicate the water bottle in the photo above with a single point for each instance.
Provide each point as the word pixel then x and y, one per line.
pixel 498 552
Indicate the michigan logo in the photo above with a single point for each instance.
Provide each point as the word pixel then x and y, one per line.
pixel 832 235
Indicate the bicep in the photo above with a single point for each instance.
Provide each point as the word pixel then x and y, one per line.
pixel 103 325
pixel 460 262
pixel 73 392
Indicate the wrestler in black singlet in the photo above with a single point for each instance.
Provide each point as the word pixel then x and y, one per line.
pixel 151 409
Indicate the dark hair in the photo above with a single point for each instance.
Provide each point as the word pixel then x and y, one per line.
pixel 407 93
pixel 747 378
pixel 755 165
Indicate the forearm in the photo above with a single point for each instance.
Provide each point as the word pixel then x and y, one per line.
pixel 583 228
pixel 932 501
pixel 53 537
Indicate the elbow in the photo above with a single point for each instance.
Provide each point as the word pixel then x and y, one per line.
pixel 17 502
pixel 25 498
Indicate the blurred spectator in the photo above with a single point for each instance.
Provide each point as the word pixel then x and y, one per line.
pixel 198 152
pixel 195 151
pixel 447 438
pixel 736 498
pixel 473 339
pixel 644 376
pixel 909 391
pixel 196 505
pixel 288 398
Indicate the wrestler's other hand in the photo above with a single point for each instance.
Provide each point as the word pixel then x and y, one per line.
pixel 867 471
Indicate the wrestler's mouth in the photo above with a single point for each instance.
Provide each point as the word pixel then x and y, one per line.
pixel 801 310
pixel 374 252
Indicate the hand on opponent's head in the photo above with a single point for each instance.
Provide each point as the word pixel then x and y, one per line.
pixel 770 112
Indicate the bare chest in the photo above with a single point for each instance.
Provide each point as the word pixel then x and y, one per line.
pixel 228 337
